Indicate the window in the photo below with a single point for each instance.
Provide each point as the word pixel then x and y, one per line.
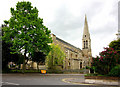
pixel 86 44
pixel 85 35
pixel 76 56
pixel 71 55
pixel 68 63
pixel 80 65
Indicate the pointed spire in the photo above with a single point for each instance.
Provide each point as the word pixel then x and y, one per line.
pixel 86 31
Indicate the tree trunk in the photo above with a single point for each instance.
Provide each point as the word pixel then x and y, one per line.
pixel 24 66
pixel 37 67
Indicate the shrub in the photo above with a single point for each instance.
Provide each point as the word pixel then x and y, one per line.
pixel 87 67
pixel 115 71
pixel 108 59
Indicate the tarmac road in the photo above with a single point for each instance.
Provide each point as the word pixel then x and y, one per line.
pixel 38 79
pixel 42 79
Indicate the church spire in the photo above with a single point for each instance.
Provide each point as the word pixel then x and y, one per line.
pixel 86 44
pixel 86 31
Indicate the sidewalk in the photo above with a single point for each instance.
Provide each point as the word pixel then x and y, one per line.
pixel 92 81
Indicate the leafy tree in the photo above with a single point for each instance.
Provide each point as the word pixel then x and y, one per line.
pixel 25 31
pixel 108 59
pixel 55 56
pixel 115 45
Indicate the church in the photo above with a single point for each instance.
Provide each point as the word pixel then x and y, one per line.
pixel 76 58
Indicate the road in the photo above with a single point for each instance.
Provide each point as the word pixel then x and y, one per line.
pixel 40 79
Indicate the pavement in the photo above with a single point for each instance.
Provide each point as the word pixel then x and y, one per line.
pixel 92 82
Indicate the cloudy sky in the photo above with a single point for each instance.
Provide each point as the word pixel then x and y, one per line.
pixel 65 18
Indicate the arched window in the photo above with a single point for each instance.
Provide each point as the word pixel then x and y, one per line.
pixel 86 44
pixel 76 56
pixel 80 65
pixel 71 55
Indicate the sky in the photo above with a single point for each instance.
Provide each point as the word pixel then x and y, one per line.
pixel 65 18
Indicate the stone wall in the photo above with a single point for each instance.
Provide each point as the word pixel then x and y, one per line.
pixel 74 55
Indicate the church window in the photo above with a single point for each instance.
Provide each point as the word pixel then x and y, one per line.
pixel 85 35
pixel 76 56
pixel 80 65
pixel 68 63
pixel 86 44
pixel 71 55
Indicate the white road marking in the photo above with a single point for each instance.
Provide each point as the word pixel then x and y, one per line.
pixel 10 83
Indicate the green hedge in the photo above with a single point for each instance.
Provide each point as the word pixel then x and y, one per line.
pixel 26 71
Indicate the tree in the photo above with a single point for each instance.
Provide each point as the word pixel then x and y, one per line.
pixel 108 59
pixel 26 32
pixel 115 45
pixel 55 57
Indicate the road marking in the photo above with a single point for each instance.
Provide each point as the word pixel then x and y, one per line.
pixel 65 80
pixel 10 83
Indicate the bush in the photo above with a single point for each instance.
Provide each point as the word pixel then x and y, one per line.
pixel 92 74
pixel 106 60
pixel 26 71
pixel 115 71
pixel 87 67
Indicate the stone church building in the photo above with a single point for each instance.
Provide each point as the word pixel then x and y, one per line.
pixel 76 58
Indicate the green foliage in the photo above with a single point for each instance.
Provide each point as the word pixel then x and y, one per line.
pixel 26 71
pixel 25 31
pixel 107 60
pixel 115 71
pixel 7 57
pixel 93 74
pixel 115 45
pixel 87 67
pixel 55 56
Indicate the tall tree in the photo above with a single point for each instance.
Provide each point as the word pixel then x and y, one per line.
pixel 26 32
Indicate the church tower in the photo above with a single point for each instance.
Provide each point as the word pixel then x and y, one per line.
pixel 86 44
